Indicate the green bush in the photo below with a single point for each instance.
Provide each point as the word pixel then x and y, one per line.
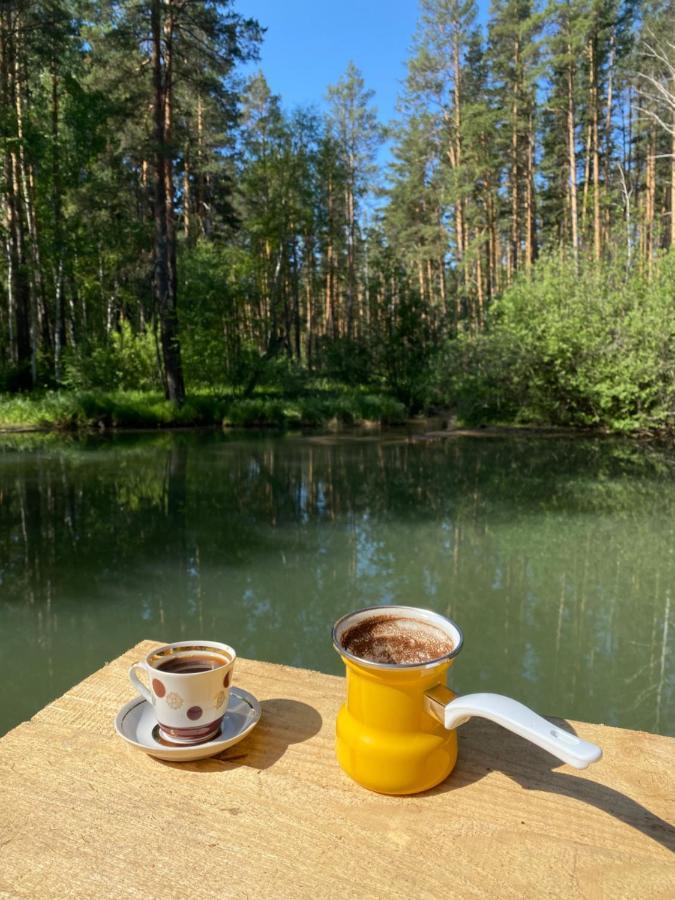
pixel 408 358
pixel 260 412
pixel 594 349
pixel 346 360
pixel 127 362
pixel 359 407
pixel 285 375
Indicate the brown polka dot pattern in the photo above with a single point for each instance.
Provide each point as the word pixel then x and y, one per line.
pixel 158 687
pixel 219 699
pixel 227 679
pixel 194 713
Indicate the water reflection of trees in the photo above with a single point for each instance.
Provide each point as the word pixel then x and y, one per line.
pixel 555 556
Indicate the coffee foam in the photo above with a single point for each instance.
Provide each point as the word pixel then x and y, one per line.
pixel 396 640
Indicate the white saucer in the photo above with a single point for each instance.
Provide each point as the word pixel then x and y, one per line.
pixel 137 724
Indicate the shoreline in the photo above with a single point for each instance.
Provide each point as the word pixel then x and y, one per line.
pixel 425 429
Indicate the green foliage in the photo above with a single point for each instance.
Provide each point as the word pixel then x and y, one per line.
pixel 350 408
pixel 409 354
pixel 286 272
pixel 211 346
pixel 288 375
pixel 346 360
pixel 127 361
pixel 362 407
pixel 262 412
pixel 71 410
pixel 482 377
pixel 597 349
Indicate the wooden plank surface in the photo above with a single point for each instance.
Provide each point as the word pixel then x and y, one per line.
pixel 84 815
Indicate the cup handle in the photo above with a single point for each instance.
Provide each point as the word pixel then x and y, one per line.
pixel 516 717
pixel 137 683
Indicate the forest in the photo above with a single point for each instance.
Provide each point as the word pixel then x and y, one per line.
pixel 169 227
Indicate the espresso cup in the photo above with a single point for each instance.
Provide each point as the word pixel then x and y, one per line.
pixel 188 684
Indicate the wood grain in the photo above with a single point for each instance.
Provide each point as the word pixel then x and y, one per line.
pixel 84 815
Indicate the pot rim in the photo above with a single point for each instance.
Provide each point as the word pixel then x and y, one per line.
pixel 454 631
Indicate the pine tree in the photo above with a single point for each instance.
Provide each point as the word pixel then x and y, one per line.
pixel 435 81
pixel 182 49
pixel 566 47
pixel 352 123
pixel 413 216
pixel 514 56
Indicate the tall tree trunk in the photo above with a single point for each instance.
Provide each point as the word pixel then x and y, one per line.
pixel 431 284
pixel 443 285
pixel 187 196
pixel 420 279
pixel 572 158
pixel 460 219
pixel 586 192
pixel 41 316
pixel 330 313
pixel 295 288
pixel 650 199
pixel 351 246
pixel 202 198
pixel 480 294
pixel 493 261
pixel 607 155
pixel 308 272
pixel 164 213
pixel 59 313
pixel 498 270
pixel 515 168
pixel 18 285
pixel 24 217
pixel 530 209
pixel 595 112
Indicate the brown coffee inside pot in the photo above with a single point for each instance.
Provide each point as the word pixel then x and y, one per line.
pixel 395 639
pixel 197 662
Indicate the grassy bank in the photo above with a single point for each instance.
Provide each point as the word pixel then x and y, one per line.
pixel 75 410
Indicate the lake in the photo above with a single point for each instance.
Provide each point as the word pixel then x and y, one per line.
pixel 555 555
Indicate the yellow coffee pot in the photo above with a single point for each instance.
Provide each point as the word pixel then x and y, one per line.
pixel 396 730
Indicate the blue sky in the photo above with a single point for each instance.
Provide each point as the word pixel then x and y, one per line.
pixel 309 43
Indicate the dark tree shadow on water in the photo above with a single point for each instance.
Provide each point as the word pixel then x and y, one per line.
pixel 534 769
pixel 283 722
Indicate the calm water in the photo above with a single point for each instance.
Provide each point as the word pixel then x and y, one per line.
pixel 555 556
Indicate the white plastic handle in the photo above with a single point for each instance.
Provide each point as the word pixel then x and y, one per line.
pixel 137 683
pixel 519 718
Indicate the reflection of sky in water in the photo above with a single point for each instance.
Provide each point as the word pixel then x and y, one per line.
pixel 556 557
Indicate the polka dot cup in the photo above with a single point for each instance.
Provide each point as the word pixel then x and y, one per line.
pixel 188 684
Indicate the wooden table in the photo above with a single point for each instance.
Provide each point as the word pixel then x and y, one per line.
pixel 84 815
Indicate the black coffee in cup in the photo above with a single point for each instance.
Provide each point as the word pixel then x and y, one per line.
pixel 187 664
pixel 388 638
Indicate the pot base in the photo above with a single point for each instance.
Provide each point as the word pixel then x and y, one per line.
pixel 391 762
